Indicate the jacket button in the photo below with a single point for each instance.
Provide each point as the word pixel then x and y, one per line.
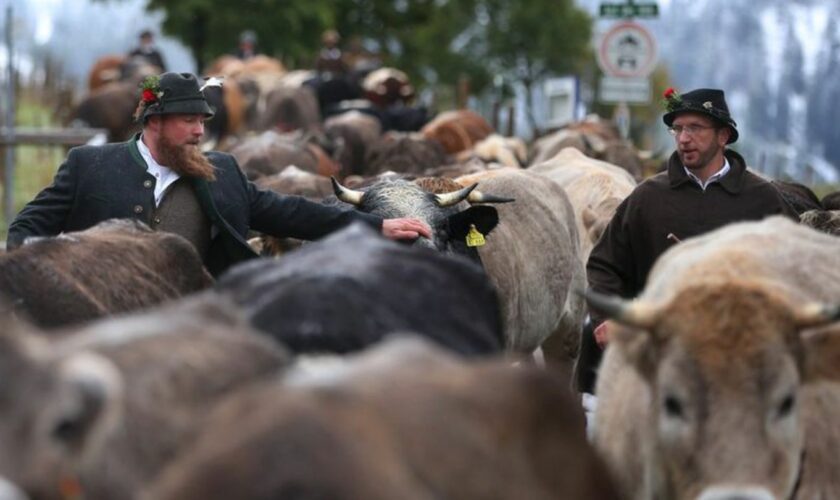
pixel 157 220
pixel 138 209
pixel 147 184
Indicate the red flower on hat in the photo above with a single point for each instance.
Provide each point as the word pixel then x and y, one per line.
pixel 672 100
pixel 150 94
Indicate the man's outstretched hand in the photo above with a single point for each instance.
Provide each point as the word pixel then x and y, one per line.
pixel 602 334
pixel 405 229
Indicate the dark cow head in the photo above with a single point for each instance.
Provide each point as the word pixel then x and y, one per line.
pixel 444 212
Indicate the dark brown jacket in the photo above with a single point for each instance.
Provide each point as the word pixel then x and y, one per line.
pixel 672 203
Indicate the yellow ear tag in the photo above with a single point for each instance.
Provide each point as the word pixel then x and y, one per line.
pixel 475 238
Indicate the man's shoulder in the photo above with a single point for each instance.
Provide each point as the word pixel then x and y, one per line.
pixel 219 158
pixel 99 150
pixel 654 183
pixel 754 182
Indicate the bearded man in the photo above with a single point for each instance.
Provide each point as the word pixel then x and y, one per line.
pixel 705 186
pixel 161 178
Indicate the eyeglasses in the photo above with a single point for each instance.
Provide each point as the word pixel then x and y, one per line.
pixel 690 130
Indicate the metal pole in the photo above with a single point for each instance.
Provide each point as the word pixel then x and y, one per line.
pixel 9 177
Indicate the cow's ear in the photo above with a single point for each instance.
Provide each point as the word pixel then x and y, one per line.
pixel 484 218
pixel 822 355
pixel 639 347
pixel 589 217
pixel 89 390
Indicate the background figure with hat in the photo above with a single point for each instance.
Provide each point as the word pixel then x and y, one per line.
pixel 706 186
pixel 148 51
pixel 162 178
pixel 247 45
pixel 330 62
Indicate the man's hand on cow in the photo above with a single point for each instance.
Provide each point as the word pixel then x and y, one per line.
pixel 602 334
pixel 405 229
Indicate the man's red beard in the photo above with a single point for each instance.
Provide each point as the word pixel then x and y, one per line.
pixel 185 159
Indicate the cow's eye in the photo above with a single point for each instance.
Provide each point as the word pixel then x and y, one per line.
pixel 786 406
pixel 673 406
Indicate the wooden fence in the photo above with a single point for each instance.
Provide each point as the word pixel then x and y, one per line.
pixel 10 138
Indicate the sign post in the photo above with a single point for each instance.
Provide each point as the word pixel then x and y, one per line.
pixel 627 55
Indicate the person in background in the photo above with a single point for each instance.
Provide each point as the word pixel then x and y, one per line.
pixel 706 186
pixel 148 51
pixel 330 62
pixel 247 45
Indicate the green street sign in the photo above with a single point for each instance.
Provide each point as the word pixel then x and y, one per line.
pixel 631 9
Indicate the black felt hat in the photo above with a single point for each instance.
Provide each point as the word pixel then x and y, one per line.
pixel 173 93
pixel 709 102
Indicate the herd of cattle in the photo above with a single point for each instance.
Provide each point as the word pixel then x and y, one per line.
pixel 357 367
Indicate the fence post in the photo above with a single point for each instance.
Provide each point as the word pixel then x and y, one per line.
pixel 9 171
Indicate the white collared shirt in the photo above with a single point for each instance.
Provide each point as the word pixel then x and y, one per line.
pixel 164 176
pixel 713 178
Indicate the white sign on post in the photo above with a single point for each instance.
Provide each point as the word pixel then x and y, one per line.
pixel 631 90
pixel 627 50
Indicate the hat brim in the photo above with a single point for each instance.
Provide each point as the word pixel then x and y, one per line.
pixel 196 106
pixel 669 118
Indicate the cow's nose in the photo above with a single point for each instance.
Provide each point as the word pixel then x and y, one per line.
pixel 736 493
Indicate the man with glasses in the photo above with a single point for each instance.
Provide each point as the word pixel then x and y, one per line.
pixel 706 186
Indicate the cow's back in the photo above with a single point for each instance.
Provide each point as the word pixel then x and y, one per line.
pixel 588 183
pixel 111 268
pixel 802 262
pixel 533 259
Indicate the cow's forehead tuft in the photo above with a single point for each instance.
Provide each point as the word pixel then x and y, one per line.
pixel 728 318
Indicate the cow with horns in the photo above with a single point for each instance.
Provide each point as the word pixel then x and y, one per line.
pixel 722 380
pixel 432 201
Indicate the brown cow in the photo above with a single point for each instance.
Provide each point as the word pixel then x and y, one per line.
pixel 595 189
pixel 403 153
pixel 403 420
pixel 353 134
pixel 270 152
pixel 98 413
pixel 385 87
pixel 711 389
pixel 831 201
pixel 457 130
pixel 111 107
pixel 114 267
pixel 291 181
pixel 498 150
pixel 594 137
pixel 114 68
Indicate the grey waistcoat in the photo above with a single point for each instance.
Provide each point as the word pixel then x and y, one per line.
pixel 180 213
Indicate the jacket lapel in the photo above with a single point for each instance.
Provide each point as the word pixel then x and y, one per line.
pixel 205 199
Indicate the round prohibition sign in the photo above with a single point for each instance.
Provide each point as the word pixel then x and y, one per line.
pixel 627 50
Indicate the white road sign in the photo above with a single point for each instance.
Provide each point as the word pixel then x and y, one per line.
pixel 630 90
pixel 627 50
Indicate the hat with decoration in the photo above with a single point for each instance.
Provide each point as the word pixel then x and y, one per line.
pixel 709 102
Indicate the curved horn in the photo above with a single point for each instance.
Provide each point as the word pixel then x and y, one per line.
pixel 479 197
pixel 816 315
pixel 455 197
pixel 347 195
pixel 635 314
